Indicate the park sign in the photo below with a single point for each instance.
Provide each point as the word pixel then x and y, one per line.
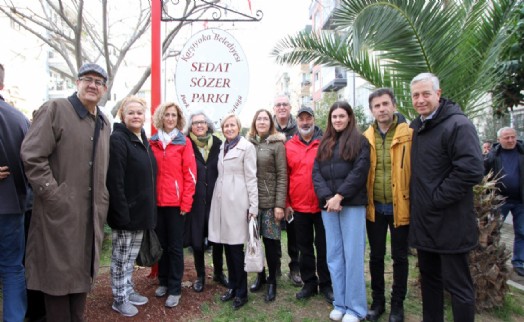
pixel 212 74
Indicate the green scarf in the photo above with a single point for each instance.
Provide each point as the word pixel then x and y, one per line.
pixel 203 143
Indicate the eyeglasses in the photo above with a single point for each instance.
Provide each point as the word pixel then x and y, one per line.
pixel 281 104
pixel 197 123
pixel 89 81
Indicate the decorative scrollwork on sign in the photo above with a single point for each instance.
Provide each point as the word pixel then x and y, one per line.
pixel 202 10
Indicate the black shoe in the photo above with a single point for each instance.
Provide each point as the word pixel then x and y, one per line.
pixel 239 302
pixel 327 291
pixel 198 286
pixel 306 292
pixel 295 278
pixel 261 279
pixel 519 270
pixel 228 295
pixel 376 310
pixel 397 312
pixel 221 278
pixel 271 292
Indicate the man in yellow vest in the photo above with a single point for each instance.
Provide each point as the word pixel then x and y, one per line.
pixel 388 201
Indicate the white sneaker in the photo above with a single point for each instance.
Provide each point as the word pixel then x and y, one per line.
pixel 137 299
pixel 336 315
pixel 161 291
pixel 172 300
pixel 350 318
pixel 126 309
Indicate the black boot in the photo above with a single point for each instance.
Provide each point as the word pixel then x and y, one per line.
pixel 271 292
pixel 397 312
pixel 376 310
pixel 198 286
pixel 261 279
pixel 221 279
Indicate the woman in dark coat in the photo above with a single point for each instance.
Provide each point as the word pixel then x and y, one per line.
pixel 207 149
pixel 132 205
pixel 339 176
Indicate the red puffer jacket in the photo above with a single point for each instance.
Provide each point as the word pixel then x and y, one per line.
pixel 300 159
pixel 176 174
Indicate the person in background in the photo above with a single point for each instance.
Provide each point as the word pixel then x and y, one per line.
pixel 70 195
pixel 446 162
pixel 486 147
pixel 507 163
pixel 339 176
pixel 14 191
pixel 286 124
pixel 234 202
pixel 301 151
pixel 206 147
pixel 176 179
pixel 388 202
pixel 272 191
pixel 131 181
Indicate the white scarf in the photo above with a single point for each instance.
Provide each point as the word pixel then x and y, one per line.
pixel 166 138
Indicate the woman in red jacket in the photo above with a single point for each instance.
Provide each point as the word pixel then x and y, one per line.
pixel 175 189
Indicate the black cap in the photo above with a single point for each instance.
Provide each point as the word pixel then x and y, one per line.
pixel 306 109
pixel 92 68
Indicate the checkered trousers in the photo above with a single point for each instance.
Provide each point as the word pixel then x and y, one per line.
pixel 126 244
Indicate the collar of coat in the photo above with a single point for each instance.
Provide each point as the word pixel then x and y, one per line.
pixel 82 111
pixel 270 139
pixel 180 139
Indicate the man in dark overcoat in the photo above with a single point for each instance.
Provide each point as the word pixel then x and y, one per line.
pixel 446 162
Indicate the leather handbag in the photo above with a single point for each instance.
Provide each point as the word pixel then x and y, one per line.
pixel 150 250
pixel 254 258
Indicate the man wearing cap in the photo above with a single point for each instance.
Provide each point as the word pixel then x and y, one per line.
pixel 66 155
pixel 388 202
pixel 303 205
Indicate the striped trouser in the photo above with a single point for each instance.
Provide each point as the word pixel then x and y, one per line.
pixel 126 244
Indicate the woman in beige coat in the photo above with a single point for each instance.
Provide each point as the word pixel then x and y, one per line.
pixel 235 200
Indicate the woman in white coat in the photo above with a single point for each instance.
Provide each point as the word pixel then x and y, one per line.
pixel 235 200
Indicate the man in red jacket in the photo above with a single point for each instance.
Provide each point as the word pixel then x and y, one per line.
pixel 304 208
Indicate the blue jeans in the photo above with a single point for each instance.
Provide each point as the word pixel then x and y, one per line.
pixel 517 211
pixel 12 271
pixel 345 246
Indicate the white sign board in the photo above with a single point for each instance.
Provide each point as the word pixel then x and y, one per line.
pixel 212 74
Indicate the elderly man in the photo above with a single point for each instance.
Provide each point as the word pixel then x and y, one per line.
pixel 388 205
pixel 66 155
pixel 301 151
pixel 446 162
pixel 286 124
pixel 506 160
pixel 14 191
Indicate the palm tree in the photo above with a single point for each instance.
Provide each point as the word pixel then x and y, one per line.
pixel 389 42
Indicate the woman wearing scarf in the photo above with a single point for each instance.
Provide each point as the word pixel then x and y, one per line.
pixel 175 189
pixel 235 200
pixel 272 192
pixel 207 148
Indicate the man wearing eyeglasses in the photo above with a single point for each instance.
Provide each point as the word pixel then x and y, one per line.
pixel 286 124
pixel 66 155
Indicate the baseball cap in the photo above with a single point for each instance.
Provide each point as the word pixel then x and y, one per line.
pixel 92 68
pixel 306 109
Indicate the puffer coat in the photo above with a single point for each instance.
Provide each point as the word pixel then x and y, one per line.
pixel 271 171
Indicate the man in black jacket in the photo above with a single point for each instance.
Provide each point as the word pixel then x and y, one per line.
pixel 507 162
pixel 13 197
pixel 446 163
